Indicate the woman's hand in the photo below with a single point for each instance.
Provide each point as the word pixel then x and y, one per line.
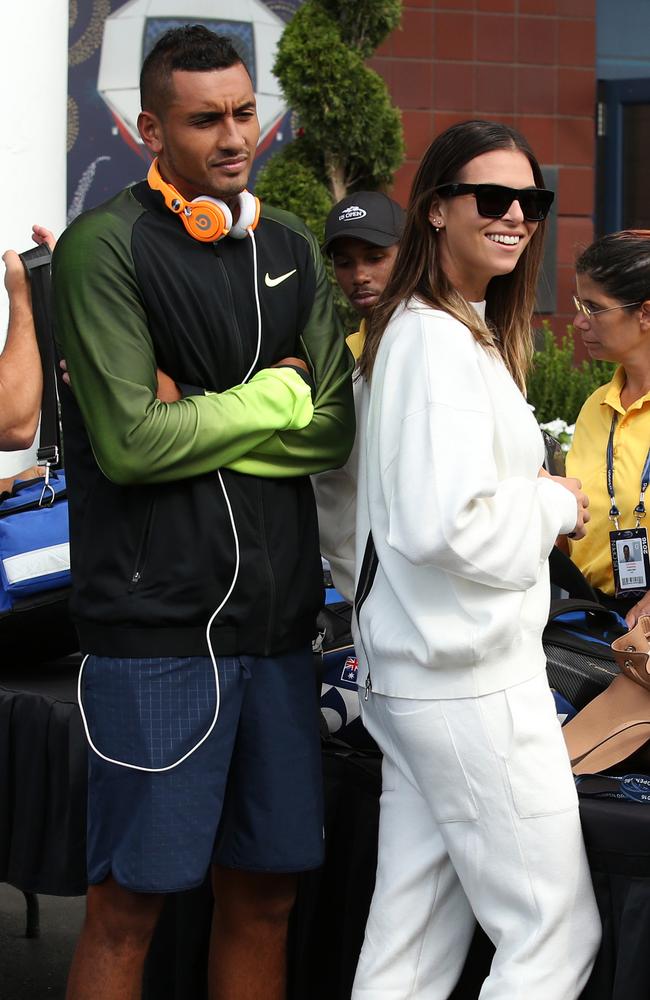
pixel 641 607
pixel 582 501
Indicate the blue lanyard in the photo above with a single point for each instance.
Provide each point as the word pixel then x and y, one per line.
pixel 630 787
pixel 639 510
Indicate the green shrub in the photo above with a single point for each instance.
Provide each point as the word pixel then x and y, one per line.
pixel 343 107
pixel 364 23
pixel 302 192
pixel 350 135
pixel 557 387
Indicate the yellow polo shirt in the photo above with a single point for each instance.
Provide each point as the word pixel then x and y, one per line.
pixel 587 461
pixel 356 340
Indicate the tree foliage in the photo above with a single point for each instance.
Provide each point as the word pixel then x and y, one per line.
pixel 350 135
pixel 365 23
pixel 289 181
pixel 557 387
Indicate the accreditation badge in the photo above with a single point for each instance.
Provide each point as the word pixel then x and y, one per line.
pixel 630 564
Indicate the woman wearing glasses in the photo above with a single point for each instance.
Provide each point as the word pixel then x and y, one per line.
pixel 479 813
pixel 610 451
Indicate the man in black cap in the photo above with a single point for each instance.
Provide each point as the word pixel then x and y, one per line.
pixel 362 233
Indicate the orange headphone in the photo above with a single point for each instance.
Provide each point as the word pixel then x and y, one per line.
pixel 207 219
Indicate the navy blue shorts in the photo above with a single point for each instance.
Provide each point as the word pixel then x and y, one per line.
pixel 250 797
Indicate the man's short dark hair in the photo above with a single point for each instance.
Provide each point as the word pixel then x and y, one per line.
pixel 191 47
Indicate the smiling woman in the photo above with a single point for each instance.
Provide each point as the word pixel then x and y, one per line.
pixel 471 232
pixel 455 522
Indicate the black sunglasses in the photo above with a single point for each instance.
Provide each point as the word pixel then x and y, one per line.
pixel 494 200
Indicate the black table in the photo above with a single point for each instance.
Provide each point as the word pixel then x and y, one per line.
pixel 43 775
pixel 43 759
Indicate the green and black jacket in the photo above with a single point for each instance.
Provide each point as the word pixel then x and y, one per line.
pixel 152 547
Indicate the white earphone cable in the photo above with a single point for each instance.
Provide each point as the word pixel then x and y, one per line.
pixel 257 306
pixel 213 658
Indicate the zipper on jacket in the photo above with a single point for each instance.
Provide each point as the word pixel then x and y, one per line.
pixel 233 313
pixel 143 547
pixel 269 573
pixel 369 565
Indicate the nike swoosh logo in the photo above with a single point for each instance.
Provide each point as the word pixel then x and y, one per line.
pixel 272 282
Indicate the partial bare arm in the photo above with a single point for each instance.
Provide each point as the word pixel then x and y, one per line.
pixel 21 379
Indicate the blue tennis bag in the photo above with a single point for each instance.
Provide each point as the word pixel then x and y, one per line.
pixel 34 540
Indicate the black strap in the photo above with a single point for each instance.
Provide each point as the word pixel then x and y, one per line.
pixel 37 263
pixel 367 575
pixel 566 575
pixel 563 606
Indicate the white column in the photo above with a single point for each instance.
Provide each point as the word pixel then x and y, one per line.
pixel 34 89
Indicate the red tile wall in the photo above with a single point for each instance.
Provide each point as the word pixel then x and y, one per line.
pixel 528 63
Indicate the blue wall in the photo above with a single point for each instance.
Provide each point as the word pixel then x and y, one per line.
pixel 622 39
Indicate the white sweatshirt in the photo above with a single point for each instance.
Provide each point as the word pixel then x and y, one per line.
pixel 449 455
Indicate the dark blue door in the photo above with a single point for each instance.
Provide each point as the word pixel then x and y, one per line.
pixel 623 189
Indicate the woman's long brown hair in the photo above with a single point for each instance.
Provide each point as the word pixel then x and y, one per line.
pixel 417 270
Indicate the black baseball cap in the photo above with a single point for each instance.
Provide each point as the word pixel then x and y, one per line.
pixel 365 215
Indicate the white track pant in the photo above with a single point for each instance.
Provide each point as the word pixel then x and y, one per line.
pixel 479 816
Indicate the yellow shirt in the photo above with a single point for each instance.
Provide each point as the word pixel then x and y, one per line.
pixel 356 340
pixel 587 461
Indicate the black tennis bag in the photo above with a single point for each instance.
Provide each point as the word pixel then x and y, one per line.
pixel 577 643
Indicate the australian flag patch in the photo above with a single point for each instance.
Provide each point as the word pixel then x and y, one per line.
pixel 350 670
